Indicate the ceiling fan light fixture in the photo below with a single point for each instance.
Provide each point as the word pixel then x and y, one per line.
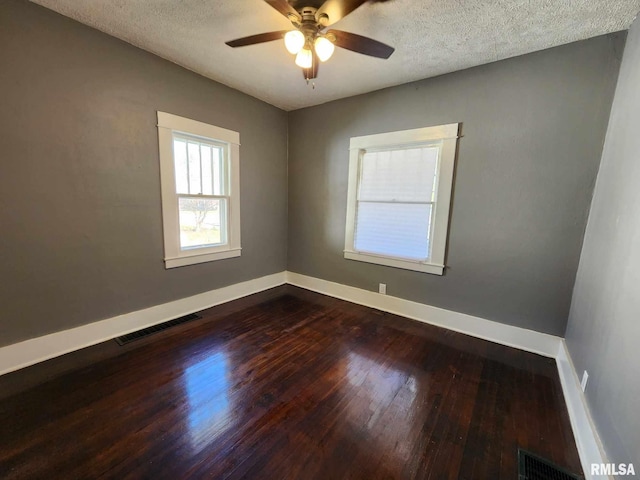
pixel 294 41
pixel 309 41
pixel 304 59
pixel 324 48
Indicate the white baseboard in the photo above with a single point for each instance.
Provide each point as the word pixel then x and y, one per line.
pixel 39 349
pixel 29 352
pixel 536 342
pixel 587 440
pixel 586 436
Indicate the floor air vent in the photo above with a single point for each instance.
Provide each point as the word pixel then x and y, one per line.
pixel 532 467
pixel 145 332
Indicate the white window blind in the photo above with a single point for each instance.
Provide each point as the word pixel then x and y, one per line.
pixel 399 197
pixel 396 198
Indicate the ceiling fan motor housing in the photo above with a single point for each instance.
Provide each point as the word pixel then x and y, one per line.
pixel 309 23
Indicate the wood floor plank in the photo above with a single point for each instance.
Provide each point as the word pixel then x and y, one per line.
pixel 286 384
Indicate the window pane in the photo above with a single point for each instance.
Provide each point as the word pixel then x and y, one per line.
pixel 393 229
pixel 200 167
pixel 406 175
pixel 202 222
pixel 193 151
pixel 207 174
pixel 180 160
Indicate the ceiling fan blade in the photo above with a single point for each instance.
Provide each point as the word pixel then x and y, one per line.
pixel 253 39
pixel 360 44
pixel 284 8
pixel 338 9
pixel 311 73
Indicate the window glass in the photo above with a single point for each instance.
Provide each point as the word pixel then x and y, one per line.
pixel 201 222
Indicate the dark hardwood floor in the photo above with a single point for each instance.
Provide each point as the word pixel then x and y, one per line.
pixel 286 384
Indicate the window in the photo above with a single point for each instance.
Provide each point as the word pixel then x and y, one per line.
pixel 399 196
pixel 199 168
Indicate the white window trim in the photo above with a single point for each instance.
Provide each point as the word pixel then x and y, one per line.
pixel 173 255
pixel 448 136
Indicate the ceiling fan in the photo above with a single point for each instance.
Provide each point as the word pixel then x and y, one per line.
pixel 310 40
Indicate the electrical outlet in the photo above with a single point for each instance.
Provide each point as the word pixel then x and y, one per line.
pixel 382 288
pixel 583 383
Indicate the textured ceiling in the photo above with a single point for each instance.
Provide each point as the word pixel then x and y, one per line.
pixel 431 37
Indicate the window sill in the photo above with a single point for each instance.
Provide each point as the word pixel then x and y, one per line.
pixel 201 258
pixel 417 266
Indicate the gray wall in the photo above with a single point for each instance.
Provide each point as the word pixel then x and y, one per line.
pixel 80 210
pixel 604 324
pixel 80 197
pixel 533 130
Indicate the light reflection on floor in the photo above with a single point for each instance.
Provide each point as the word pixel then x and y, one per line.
pixel 390 394
pixel 206 384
